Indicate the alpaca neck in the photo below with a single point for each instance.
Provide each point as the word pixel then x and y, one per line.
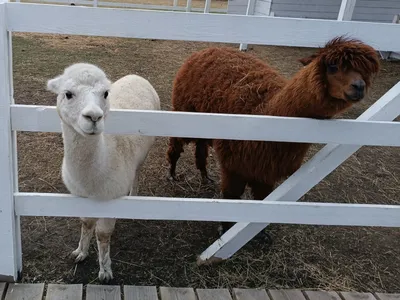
pixel 303 96
pixel 84 152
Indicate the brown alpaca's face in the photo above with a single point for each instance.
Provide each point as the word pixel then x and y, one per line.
pixel 347 85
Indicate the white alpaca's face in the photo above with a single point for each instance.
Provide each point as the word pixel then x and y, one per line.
pixel 83 100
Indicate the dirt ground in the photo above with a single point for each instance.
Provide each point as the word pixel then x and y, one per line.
pixel 164 253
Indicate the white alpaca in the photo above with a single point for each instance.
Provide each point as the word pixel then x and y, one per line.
pixel 97 165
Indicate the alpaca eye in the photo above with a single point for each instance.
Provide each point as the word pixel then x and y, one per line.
pixel 332 68
pixel 105 95
pixel 68 95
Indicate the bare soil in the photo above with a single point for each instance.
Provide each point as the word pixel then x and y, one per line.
pixel 164 253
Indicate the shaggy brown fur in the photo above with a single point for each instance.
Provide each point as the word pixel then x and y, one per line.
pixel 223 80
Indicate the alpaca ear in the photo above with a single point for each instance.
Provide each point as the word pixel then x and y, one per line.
pixel 53 85
pixel 306 60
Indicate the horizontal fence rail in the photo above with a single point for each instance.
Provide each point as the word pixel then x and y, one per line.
pixel 23 17
pixel 224 126
pixel 127 5
pixel 81 2
pixel 161 7
pixel 160 208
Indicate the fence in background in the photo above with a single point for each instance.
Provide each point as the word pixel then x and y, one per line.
pixel 174 7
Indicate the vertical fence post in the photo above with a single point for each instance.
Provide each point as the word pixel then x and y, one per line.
pixel 250 11
pixel 390 54
pixel 10 238
pixel 346 10
pixel 207 6
pixel 175 4
pixel 95 3
pixel 189 5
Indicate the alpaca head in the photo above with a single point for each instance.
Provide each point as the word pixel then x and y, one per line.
pixel 345 68
pixel 82 101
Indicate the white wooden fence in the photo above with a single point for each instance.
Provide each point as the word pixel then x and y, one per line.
pixel 345 13
pixel 174 7
pixel 344 137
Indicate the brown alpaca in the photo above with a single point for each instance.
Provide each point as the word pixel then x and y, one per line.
pixel 223 80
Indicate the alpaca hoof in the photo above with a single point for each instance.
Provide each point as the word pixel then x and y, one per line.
pixel 205 179
pixel 105 276
pixel 174 177
pixel 79 255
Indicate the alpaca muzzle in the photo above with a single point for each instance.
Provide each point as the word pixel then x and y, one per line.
pixel 358 91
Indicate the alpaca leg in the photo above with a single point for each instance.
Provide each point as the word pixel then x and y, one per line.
pixel 260 191
pixel 104 230
pixel 174 152
pixel 87 229
pixel 232 186
pixel 201 159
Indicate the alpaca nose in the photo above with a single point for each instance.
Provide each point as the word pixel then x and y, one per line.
pixel 358 85
pixel 93 117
